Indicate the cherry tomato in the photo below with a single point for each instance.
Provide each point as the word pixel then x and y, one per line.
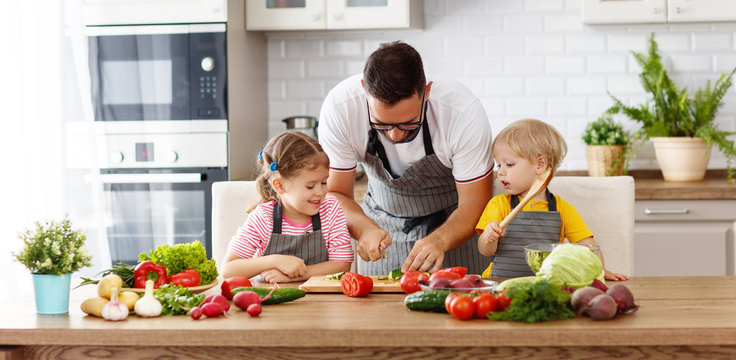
pixel 448 301
pixel 503 301
pixel 485 303
pixel 445 274
pixel 456 269
pixel 462 307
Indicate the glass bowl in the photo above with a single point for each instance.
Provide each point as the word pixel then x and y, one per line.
pixel 536 253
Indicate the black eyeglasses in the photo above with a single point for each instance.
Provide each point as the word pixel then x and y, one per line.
pixel 408 126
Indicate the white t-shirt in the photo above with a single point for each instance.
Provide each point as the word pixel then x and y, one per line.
pixel 458 124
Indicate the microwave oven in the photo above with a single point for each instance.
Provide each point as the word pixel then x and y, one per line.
pixel 170 74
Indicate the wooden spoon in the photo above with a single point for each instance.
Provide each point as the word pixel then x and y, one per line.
pixel 537 187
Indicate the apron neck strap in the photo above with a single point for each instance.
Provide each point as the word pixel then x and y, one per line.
pixel 278 218
pixel 551 200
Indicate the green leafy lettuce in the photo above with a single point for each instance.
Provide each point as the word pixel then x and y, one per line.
pixel 180 257
pixel 572 265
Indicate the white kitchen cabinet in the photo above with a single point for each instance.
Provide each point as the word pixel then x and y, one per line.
pixel 656 11
pixel 616 11
pixel 701 10
pixel 126 12
pixel 684 237
pixel 333 14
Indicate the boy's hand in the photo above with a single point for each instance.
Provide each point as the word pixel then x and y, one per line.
pixel 488 240
pixel 290 266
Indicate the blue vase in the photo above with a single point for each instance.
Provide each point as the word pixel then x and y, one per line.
pixel 52 293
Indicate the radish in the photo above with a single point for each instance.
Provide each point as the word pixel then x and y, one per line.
pixel 195 313
pixel 219 299
pixel 246 298
pixel 211 309
pixel 254 310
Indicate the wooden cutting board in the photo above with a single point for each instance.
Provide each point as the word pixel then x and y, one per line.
pixel 318 283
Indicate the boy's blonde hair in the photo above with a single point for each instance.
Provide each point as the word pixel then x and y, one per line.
pixel 532 138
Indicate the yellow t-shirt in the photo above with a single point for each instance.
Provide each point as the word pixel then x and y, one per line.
pixel 572 225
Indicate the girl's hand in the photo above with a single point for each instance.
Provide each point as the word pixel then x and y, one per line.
pixel 290 266
pixel 273 276
pixel 371 242
pixel 614 276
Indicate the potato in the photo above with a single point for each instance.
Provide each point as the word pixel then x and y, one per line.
pixel 128 298
pixel 107 283
pixel 93 306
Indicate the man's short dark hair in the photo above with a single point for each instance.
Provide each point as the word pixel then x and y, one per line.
pixel 394 72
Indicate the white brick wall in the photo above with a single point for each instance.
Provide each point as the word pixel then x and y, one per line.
pixel 522 58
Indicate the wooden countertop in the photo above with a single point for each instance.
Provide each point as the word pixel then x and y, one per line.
pixel 650 186
pixel 680 312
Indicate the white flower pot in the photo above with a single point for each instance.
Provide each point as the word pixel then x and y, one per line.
pixel 681 158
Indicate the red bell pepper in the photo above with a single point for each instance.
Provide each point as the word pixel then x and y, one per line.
pixel 186 278
pixel 149 270
pixel 233 282
pixel 456 269
pixel 356 285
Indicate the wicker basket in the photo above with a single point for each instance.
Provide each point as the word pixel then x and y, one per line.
pixel 605 160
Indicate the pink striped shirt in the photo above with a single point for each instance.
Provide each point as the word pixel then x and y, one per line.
pixel 252 238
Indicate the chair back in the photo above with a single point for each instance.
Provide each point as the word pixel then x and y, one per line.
pixel 230 203
pixel 606 204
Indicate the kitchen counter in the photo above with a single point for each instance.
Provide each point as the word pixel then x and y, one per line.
pixel 679 316
pixel 649 186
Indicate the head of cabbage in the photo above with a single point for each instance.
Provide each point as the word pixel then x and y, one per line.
pixel 572 265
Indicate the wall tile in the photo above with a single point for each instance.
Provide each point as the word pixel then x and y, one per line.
pixel 524 107
pixel 524 65
pixel 344 48
pixel 705 42
pixel 463 46
pixel 504 86
pixel 304 89
pixel 566 106
pixel 502 6
pixel 283 69
pixel 323 69
pixel 562 23
pixel 523 24
pixel 531 6
pixel 481 66
pixel 504 45
pixel 692 63
pixel 544 44
pixel 586 85
pixel 606 64
pixel 305 49
pixel 585 43
pixel 545 85
pixel 485 24
pixel 565 64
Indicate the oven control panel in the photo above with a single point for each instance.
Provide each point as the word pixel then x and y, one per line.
pixel 157 151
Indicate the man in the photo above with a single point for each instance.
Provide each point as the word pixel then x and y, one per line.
pixel 426 151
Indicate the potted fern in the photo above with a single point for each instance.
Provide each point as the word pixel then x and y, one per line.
pixel 682 128
pixel 607 142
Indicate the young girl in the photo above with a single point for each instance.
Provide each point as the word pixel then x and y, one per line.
pixel 523 151
pixel 296 231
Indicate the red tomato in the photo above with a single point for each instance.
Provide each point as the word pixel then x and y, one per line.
pixel 457 269
pixel 445 274
pixel 448 301
pixel 462 307
pixel 417 274
pixel 231 283
pixel 503 301
pixel 356 285
pixel 484 304
pixel 409 284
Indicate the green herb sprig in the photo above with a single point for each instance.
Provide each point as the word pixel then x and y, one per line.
pixel 175 300
pixel 534 302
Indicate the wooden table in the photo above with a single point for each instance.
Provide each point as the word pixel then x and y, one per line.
pixel 679 317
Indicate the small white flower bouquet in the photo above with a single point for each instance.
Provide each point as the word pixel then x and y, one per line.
pixel 53 248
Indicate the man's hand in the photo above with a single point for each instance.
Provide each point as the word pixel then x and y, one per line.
pixel 372 242
pixel 290 266
pixel 424 256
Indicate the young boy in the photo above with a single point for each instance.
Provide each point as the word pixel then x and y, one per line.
pixel 523 151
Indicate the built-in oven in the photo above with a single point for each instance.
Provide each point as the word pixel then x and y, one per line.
pixel 157 190
pixel 159 73
pixel 161 135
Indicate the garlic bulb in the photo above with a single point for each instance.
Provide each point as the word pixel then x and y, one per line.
pixel 148 306
pixel 114 310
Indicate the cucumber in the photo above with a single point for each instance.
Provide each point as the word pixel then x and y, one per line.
pixel 279 296
pixel 427 300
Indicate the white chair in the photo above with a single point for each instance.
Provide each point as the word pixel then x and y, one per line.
pixel 606 204
pixel 230 203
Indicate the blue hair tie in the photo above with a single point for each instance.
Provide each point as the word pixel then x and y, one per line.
pixel 274 166
pixel 260 155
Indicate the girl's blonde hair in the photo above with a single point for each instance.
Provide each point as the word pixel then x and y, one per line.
pixel 532 138
pixel 291 151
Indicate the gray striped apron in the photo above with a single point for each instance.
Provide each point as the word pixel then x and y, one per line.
pixel 309 246
pixel 410 206
pixel 528 227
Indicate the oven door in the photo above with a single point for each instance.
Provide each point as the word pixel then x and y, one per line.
pixel 145 208
pixel 158 72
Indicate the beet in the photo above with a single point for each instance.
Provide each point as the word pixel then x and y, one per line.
pixel 461 284
pixel 602 307
pixel 581 298
pixel 624 299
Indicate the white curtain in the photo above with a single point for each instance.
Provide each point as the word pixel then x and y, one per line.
pixel 45 86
